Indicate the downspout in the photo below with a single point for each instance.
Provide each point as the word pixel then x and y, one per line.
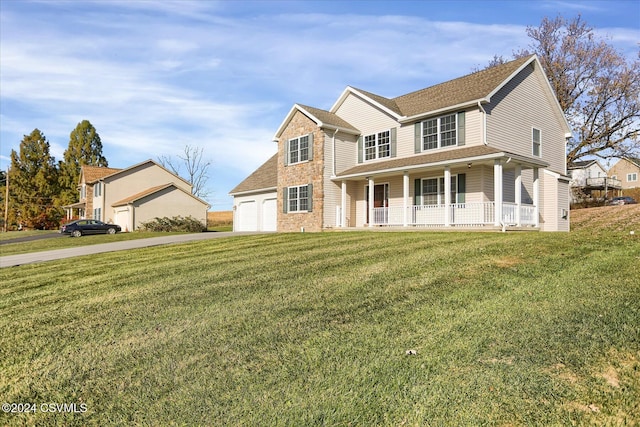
pixel 484 124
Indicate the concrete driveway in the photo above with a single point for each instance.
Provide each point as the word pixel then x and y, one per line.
pixel 30 258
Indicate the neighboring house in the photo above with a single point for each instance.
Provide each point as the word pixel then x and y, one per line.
pixel 137 194
pixel 627 170
pixel 588 177
pixel 484 150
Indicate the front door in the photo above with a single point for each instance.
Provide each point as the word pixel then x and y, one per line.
pixel 380 200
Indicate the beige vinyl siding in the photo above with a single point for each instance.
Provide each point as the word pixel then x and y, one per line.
pixel 364 116
pixel 550 203
pixel 369 119
pixel 473 126
pixel 346 150
pixel 522 104
pixel 555 197
pixel 136 180
pixel 168 203
pixel 621 169
pixel 332 191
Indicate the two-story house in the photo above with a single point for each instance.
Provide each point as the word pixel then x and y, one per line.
pixel 589 179
pixel 627 170
pixel 483 150
pixel 137 194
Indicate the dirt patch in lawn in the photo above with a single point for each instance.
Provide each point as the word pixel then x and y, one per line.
pixel 607 218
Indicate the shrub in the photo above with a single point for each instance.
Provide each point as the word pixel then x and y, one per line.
pixel 176 223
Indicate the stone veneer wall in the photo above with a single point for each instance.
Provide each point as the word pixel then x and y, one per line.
pixel 310 172
pixel 88 211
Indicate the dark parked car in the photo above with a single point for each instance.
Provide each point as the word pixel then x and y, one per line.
pixel 80 227
pixel 624 200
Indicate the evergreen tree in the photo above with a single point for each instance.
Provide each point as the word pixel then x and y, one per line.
pixel 34 184
pixel 85 148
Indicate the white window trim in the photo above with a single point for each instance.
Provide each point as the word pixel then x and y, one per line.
pixel 533 142
pixel 439 132
pixel 633 175
pixel 298 138
pixel 298 210
pixel 454 197
pixel 377 145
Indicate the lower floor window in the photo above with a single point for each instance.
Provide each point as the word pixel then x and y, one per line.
pixel 298 198
pixel 433 190
pixel 97 213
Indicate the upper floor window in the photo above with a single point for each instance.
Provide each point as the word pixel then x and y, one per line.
pixel 536 142
pixel 299 149
pixel 377 145
pixel 83 192
pixel 631 177
pixel 439 132
pixel 97 189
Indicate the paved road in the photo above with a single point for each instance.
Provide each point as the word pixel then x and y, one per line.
pixel 21 259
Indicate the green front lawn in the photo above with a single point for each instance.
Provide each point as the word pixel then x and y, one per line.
pixel 314 329
pixel 60 242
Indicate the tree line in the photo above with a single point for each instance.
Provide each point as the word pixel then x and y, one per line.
pixel 38 186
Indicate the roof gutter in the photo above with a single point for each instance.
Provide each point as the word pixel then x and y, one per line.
pixel 409 119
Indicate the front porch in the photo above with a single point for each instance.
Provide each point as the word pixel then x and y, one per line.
pixel 456 215
pixel 494 193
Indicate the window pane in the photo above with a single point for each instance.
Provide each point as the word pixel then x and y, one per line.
pixel 293 151
pixel 370 147
pixel 448 130
pixel 536 142
pixel 304 198
pixel 304 148
pixel 430 134
pixel 430 191
pixel 293 199
pixel 384 144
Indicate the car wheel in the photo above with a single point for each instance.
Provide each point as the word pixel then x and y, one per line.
pixel 76 233
pixel 111 231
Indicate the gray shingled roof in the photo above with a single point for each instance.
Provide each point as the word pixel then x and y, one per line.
pixel 329 118
pixel 464 89
pixel 266 176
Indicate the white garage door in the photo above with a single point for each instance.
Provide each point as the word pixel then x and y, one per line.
pixel 247 216
pixel 269 215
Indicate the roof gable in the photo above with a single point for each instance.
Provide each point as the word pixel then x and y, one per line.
pixel 322 118
pixel 148 162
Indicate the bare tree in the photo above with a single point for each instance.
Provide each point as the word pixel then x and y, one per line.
pixel 598 90
pixel 196 168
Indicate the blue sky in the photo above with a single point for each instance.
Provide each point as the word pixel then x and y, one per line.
pixel 154 76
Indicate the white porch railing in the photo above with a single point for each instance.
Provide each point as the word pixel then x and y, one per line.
pixel 460 214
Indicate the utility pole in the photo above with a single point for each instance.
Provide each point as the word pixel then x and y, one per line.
pixel 6 202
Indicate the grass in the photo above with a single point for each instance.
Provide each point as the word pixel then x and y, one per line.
pixel 313 329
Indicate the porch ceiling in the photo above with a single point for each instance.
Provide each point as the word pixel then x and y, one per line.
pixel 456 157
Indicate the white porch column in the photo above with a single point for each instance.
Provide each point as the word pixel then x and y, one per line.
pixel 518 194
pixel 447 196
pixel 371 200
pixel 497 191
pixel 343 205
pixel 536 196
pixel 405 198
